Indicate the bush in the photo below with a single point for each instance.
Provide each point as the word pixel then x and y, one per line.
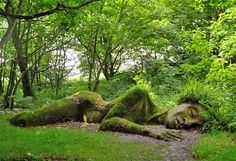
pixel 167 78
pixel 24 102
pixel 116 86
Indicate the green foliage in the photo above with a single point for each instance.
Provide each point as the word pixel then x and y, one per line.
pixel 115 86
pixel 198 59
pixel 222 72
pixel 66 144
pixel 215 146
pixel 164 77
pixel 197 92
pixel 171 41
pixel 25 102
pixel 47 95
pixel 144 84
pixel 163 82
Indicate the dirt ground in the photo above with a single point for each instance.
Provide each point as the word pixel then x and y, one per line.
pixel 172 151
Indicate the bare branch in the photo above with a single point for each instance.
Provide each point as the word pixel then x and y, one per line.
pixel 59 7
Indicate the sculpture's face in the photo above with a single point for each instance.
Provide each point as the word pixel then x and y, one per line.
pixel 184 116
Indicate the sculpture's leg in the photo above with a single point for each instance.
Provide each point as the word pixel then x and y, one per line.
pixel 58 111
pixel 123 125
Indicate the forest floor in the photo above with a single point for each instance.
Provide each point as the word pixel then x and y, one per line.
pixel 178 150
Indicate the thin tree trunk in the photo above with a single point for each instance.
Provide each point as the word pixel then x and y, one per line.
pixel 8 98
pixel 22 62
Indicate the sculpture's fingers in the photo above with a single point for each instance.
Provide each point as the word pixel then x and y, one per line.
pixel 161 136
pixel 170 137
pixel 176 131
pixel 175 135
pixel 165 138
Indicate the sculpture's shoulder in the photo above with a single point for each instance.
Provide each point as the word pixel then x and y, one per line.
pixel 135 105
pixel 89 97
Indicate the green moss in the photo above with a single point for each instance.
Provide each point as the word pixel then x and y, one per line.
pixel 135 105
pixel 70 108
pixel 121 125
pixel 58 111
pixel 91 97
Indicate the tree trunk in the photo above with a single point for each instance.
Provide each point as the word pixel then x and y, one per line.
pixel 27 88
pixel 8 97
pixel 22 62
pixel 2 71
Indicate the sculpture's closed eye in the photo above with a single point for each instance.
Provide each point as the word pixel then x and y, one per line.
pixel 193 113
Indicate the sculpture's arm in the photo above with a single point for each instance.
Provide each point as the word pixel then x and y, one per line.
pixel 123 125
pixel 159 118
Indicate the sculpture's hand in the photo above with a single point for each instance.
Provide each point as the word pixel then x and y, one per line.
pixel 164 134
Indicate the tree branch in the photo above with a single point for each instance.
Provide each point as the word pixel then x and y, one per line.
pixel 59 7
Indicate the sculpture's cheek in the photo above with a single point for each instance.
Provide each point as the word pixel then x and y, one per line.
pixel 181 120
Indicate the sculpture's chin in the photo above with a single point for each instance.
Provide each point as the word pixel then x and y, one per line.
pixel 171 124
pixel 174 125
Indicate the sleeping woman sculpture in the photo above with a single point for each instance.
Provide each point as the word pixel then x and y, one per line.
pixel 129 113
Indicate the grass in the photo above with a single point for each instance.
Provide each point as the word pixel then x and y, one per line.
pixel 217 146
pixel 69 144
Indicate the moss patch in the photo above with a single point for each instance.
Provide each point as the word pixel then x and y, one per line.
pixel 135 105
pixel 70 108
pixel 121 125
pixel 58 111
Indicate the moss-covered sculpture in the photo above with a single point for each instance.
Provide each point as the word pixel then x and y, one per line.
pixel 127 113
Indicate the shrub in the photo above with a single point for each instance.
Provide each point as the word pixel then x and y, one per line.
pixel 24 102
pixel 116 86
pixel 168 78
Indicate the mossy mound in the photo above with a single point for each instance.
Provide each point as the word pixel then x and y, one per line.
pixel 75 107
pixel 135 105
